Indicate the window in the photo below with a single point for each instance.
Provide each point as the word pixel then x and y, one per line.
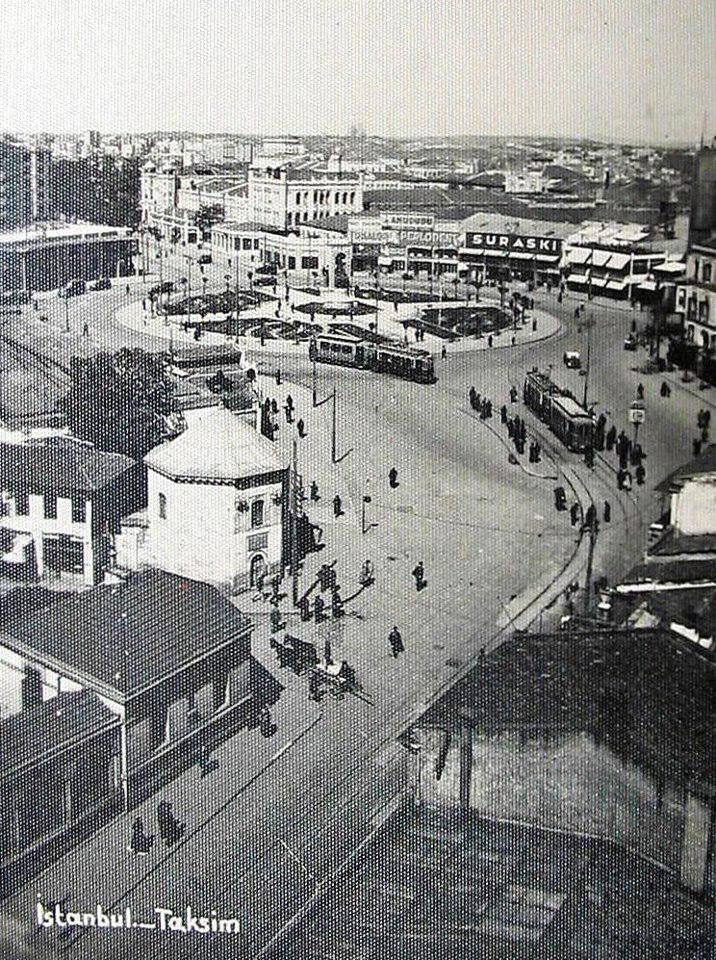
pixel 707 273
pixel 291 263
pixel 257 513
pixel 22 503
pixel 50 500
pixel 162 506
pixel 256 243
pixel 309 263
pixel 259 541
pixel 79 510
pixel 247 243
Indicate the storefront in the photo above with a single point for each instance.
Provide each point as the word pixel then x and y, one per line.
pixel 511 256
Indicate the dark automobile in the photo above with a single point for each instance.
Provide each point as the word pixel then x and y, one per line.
pixel 104 283
pixel 205 258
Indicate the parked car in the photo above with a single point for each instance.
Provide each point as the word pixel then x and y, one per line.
pixel 72 289
pixel 104 283
pixel 630 343
pixel 572 359
pixel 205 258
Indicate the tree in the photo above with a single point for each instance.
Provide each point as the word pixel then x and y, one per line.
pixel 120 402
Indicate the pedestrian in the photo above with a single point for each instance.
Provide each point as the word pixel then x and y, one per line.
pixel 393 478
pixel 395 306
pixel 607 511
pixel 301 427
pixel 513 340
pixel 318 607
pixel 314 492
pixel 278 378
pixel 170 830
pixel 534 326
pixel 126 290
pixel 574 514
pixel 538 452
pixel 503 413
pixel 337 507
pixel 665 389
pixel 85 329
pixel 327 652
pixel 289 414
pixel 513 394
pixel 396 642
pixel 140 843
pixel 489 340
pixel 590 516
pixel 705 435
pixel 473 398
pixel 640 391
pixel 419 575
pixel 443 351
pixel 611 437
pixel 626 481
pixel 696 447
pixel 336 603
pixel 640 474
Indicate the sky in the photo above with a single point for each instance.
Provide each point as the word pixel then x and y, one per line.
pixel 625 70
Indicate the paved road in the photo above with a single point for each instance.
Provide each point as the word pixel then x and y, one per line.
pixel 485 530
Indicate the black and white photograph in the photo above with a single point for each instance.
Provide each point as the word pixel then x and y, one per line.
pixel 357 483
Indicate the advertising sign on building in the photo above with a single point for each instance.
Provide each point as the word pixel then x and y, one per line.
pixel 514 241
pixel 408 221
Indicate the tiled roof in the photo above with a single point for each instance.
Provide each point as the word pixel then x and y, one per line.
pixel 124 637
pixel 51 726
pixel 216 446
pixel 59 464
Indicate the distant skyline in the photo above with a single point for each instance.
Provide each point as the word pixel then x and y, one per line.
pixel 641 71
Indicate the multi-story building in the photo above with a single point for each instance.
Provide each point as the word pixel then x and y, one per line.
pixel 286 197
pixel 24 184
pixel 62 501
pixel 696 295
pixel 702 222
pixel 217 496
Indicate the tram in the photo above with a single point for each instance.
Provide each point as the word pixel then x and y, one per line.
pixel 353 351
pixel 566 418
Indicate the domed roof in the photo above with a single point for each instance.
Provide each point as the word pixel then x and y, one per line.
pixel 217 445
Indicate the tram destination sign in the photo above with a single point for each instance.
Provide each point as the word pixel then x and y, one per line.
pixel 513 242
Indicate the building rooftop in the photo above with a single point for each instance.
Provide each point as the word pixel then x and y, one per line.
pixel 704 463
pixel 247 226
pixel 122 638
pixel 674 544
pixel 442 885
pixel 216 446
pixel 642 694
pixel 38 232
pixel 501 223
pixel 51 726
pixel 59 465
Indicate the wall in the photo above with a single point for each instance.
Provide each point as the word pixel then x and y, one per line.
pixel 564 782
pixel 693 509
pixel 198 539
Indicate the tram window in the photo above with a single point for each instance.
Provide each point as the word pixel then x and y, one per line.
pixel 346 349
pixel 325 347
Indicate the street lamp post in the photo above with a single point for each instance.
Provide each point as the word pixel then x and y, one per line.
pixel 589 323
pixel 366 501
pixel 67 315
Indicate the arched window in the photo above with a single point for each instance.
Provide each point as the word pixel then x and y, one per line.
pixel 345 197
pixel 289 218
pixel 162 506
pixel 353 196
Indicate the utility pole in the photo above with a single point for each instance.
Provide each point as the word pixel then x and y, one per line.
pixel 589 355
pixel 67 315
pixel 314 391
pixel 333 428
pixel 293 506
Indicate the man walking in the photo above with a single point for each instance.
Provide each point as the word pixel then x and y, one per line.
pixel 396 642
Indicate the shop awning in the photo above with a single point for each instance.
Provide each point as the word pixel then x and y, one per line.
pixel 521 255
pixel 617 261
pixel 500 254
pixel 548 257
pixel 600 257
pixel 670 267
pixel 647 285
pixel 617 285
pixel 598 282
pixel 578 255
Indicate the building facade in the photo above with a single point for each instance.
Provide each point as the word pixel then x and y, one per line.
pixel 217 497
pixel 696 295
pixel 306 255
pixel 285 197
pixel 62 501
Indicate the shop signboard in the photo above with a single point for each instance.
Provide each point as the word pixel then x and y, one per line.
pixel 514 242
pixel 408 221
